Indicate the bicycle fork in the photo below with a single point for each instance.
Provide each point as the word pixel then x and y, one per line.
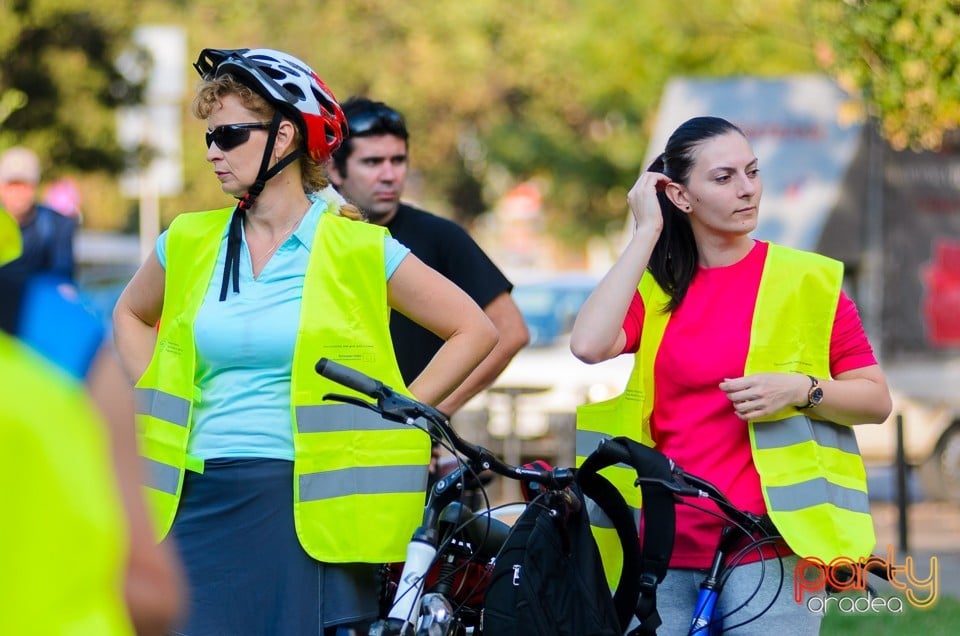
pixel 704 622
pixel 437 617
pixel 404 612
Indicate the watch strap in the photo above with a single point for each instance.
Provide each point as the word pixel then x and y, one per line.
pixel 814 383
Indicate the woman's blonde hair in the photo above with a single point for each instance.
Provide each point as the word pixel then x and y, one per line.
pixel 211 92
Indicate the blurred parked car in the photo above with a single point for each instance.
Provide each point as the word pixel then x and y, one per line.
pixel 550 306
pixel 925 396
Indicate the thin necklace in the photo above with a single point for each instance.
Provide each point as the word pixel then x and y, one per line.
pixel 283 237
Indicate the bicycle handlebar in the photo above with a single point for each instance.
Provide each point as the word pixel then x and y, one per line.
pixel 679 482
pixel 349 377
pixel 485 533
pixel 401 408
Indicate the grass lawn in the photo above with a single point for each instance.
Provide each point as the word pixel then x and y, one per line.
pixel 943 618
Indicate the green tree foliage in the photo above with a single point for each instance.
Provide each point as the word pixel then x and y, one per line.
pixel 902 57
pixel 501 91
pixel 563 92
pixel 58 81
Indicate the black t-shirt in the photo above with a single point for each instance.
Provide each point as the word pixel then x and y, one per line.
pixel 447 248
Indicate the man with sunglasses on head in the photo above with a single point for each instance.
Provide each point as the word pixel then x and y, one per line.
pixel 370 170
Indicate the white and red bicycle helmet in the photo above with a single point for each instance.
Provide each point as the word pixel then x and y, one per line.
pixel 289 85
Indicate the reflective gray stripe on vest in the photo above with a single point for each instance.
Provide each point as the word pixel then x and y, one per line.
pixel 798 429
pixel 588 441
pixel 366 480
pixel 817 491
pixel 163 406
pixel 600 519
pixel 160 476
pixel 343 417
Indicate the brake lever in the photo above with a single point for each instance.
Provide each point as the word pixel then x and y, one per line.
pixel 393 407
pixel 683 486
pixel 349 399
pixel 401 406
pixel 678 488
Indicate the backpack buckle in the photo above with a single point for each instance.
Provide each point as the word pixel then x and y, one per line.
pixel 648 583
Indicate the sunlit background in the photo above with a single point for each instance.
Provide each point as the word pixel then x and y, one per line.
pixel 530 120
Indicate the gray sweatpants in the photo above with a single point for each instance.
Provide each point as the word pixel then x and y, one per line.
pixel 677 598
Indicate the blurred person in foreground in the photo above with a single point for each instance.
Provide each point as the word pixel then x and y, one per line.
pixel 78 550
pixel 370 170
pixel 47 236
pixel 754 365
pixel 280 502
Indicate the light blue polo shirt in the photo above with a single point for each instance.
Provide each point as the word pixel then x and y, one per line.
pixel 245 348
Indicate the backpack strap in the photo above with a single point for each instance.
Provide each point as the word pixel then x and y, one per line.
pixel 659 517
pixel 611 502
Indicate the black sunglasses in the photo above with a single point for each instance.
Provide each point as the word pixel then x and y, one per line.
pixel 229 136
pixel 379 119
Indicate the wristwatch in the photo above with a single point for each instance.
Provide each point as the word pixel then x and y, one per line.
pixel 814 395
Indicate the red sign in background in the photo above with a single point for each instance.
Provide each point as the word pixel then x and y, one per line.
pixel 921 255
pixel 941 303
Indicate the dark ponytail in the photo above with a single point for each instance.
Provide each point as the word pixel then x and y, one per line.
pixel 673 262
pixel 674 258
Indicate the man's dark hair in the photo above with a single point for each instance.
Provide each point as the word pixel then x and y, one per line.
pixel 367 118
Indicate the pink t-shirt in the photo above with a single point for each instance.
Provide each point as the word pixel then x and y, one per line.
pixel 693 422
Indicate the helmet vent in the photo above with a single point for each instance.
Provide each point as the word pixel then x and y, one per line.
pixel 295 90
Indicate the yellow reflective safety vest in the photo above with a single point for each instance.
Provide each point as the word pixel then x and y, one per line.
pixel 63 538
pixel 811 473
pixel 359 480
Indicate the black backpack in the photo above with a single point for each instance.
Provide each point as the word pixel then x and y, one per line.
pixel 549 580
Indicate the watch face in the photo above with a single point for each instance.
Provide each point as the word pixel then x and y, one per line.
pixel 816 396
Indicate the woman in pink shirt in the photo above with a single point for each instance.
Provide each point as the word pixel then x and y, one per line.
pixel 694 210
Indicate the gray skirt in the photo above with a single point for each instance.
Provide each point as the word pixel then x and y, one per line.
pixel 246 570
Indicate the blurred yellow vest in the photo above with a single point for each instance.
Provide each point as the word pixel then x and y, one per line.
pixel 63 534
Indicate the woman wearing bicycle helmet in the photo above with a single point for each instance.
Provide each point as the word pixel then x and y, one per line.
pixel 751 367
pixel 278 500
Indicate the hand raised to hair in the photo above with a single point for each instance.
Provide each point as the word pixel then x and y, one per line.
pixel 764 394
pixel 643 202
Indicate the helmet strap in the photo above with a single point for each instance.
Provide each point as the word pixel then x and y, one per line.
pixel 231 264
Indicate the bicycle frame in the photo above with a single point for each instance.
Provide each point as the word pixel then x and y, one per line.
pixel 412 610
pixel 485 533
pixel 741 525
pixel 705 621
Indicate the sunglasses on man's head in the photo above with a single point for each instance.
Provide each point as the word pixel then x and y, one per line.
pixel 380 119
pixel 229 136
